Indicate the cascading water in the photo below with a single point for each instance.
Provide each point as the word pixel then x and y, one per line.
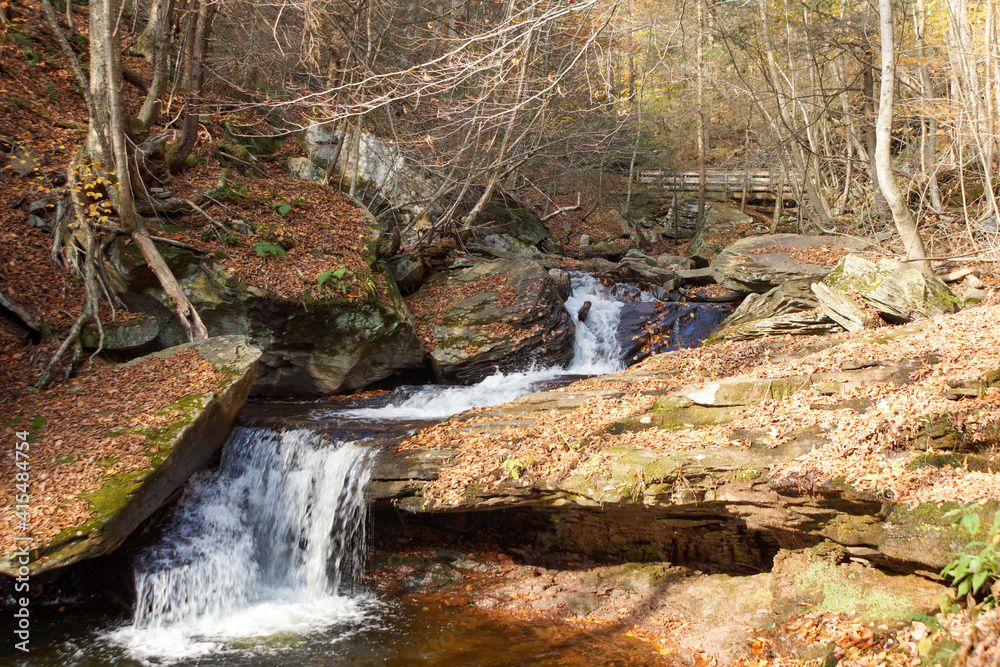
pixel 272 542
pixel 596 347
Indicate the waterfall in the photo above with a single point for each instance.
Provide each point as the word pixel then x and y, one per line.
pixel 270 542
pixel 596 347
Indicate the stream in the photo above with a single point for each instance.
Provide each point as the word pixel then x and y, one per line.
pixel 260 561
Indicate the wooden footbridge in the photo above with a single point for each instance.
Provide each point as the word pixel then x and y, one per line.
pixel 733 183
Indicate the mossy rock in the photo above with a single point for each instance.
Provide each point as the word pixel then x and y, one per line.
pixel 122 335
pixel 176 451
pixel 900 292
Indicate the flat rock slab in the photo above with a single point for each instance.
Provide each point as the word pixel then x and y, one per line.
pixel 761 263
pixel 182 447
pixel 122 335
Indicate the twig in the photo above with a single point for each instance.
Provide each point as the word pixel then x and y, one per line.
pixel 180 244
pixel 563 209
pixel 590 212
pixel 253 165
pixel 215 223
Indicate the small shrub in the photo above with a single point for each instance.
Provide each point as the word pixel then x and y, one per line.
pixel 975 574
pixel 331 278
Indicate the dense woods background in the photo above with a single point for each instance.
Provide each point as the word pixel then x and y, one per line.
pixel 880 118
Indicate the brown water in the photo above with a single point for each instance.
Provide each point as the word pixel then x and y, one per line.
pixel 398 633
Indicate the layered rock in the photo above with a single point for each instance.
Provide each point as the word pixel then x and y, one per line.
pixel 790 308
pixel 310 346
pixel 761 263
pixel 672 500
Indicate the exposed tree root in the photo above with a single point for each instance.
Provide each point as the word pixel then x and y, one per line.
pixel 91 307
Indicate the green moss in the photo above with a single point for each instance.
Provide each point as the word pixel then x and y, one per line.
pixel 115 492
pixel 673 414
pixel 843 593
pixel 746 474
pixel 958 461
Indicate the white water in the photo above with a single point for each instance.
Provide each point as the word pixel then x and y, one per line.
pixel 596 350
pixel 271 544
pixel 596 347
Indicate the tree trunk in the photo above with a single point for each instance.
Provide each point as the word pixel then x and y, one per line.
pixel 129 220
pixel 901 215
pixel 155 43
pixel 700 118
pixel 868 83
pixel 929 124
pixel 200 19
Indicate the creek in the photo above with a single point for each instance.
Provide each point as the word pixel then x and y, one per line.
pixel 260 561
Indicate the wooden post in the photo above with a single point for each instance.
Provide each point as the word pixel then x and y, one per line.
pixel 746 186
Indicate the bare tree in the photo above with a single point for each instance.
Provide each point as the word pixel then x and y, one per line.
pixel 901 214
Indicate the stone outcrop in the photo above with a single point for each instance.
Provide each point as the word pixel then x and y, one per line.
pixel 511 319
pixel 310 346
pixel 717 220
pixel 669 501
pixel 790 308
pixel 399 181
pixel 821 301
pixel 176 450
pixel 761 263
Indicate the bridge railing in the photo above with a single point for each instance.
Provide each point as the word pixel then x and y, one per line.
pixel 716 180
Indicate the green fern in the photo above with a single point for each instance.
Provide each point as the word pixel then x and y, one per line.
pixel 265 250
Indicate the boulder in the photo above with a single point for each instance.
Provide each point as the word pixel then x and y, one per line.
pixel 760 263
pixel 176 450
pixel 843 309
pixel 509 247
pixel 898 291
pixel 790 308
pixel 639 266
pixel 502 315
pixel 408 272
pixel 687 218
pixel 718 222
pixel 697 276
pixel 675 262
pixel 124 335
pixel 504 215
